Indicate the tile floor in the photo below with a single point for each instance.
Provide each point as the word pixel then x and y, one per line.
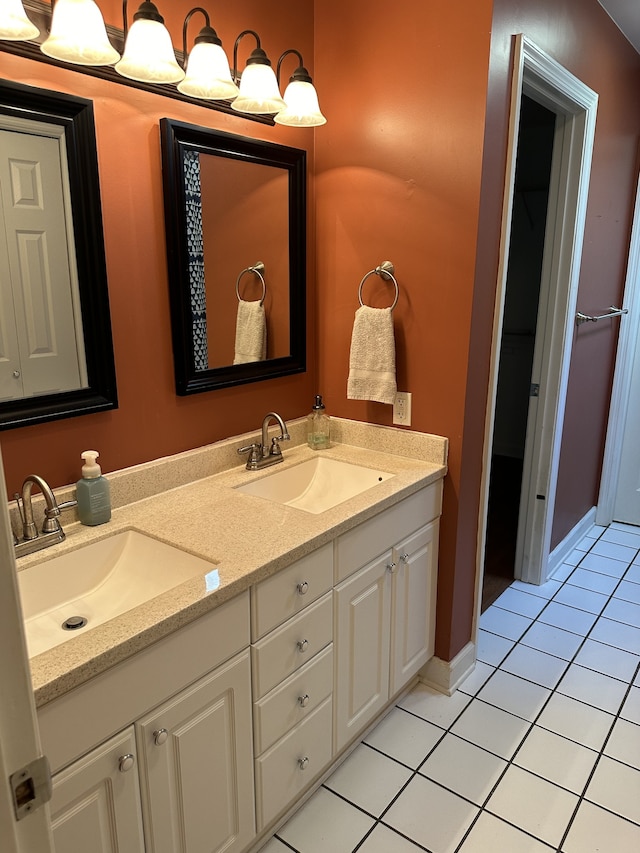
pixel 538 750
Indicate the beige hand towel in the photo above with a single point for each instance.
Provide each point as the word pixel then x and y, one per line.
pixel 372 361
pixel 251 333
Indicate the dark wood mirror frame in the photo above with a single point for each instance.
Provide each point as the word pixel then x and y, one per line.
pixel 76 116
pixel 176 139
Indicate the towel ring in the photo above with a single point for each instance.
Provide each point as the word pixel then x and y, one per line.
pixel 256 269
pixel 384 270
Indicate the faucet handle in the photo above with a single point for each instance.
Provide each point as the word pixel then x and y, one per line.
pixel 275 444
pixel 255 454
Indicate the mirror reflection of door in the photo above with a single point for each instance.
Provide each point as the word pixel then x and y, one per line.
pixel 41 336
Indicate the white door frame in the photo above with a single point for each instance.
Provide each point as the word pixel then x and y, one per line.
pixel 625 358
pixel 544 80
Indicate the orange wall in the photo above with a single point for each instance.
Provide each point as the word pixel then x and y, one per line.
pixel 152 421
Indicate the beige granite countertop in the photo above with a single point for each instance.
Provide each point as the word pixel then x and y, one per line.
pixel 246 538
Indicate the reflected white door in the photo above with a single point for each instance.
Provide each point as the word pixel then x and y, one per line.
pixel 627 503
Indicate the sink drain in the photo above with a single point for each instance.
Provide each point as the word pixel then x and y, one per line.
pixel 73 623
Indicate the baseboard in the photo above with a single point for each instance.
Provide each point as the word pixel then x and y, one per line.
pixel 561 551
pixel 446 676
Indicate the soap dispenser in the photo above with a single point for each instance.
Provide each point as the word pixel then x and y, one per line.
pixel 92 492
pixel 318 426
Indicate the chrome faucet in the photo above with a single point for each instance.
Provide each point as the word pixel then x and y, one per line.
pixel 52 531
pixel 262 455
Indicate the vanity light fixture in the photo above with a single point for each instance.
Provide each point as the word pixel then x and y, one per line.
pixel 14 23
pixel 148 52
pixel 302 108
pixel 208 75
pixel 258 85
pixel 78 34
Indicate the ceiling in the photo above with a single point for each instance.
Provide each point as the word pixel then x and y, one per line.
pixel 626 14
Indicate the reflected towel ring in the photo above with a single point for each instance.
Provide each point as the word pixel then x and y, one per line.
pixel 384 270
pixel 256 269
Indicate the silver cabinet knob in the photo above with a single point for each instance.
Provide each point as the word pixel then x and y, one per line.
pixel 303 701
pixel 303 763
pixel 404 558
pixel 16 374
pixel 303 645
pixel 160 736
pixel 126 762
pixel 391 567
pixel 303 588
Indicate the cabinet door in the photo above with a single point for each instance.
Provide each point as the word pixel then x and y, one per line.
pixel 363 605
pixel 414 600
pixel 196 765
pixel 96 802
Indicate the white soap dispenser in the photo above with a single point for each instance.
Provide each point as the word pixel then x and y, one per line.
pixel 92 492
pixel 318 426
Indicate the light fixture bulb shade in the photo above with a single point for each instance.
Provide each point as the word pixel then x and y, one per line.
pixel 302 107
pixel 78 35
pixel 208 75
pixel 258 91
pixel 14 23
pixel 148 54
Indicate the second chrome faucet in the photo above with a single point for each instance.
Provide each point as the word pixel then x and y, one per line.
pixel 262 455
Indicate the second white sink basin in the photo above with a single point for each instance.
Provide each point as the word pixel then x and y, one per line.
pixel 98 582
pixel 316 485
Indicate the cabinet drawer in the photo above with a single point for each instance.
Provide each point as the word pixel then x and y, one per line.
pixel 281 596
pixel 377 535
pixel 290 646
pixel 292 764
pixel 294 700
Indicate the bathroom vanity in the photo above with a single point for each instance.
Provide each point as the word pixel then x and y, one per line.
pixel 198 721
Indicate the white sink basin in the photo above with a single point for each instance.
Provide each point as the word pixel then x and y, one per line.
pixel 316 485
pixel 98 582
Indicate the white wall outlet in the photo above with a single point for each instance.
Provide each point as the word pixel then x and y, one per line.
pixel 402 408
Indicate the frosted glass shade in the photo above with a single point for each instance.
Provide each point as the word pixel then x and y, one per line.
pixel 14 24
pixel 148 54
pixel 302 108
pixel 258 91
pixel 208 75
pixel 78 34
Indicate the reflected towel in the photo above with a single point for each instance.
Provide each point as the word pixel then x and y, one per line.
pixel 372 360
pixel 251 333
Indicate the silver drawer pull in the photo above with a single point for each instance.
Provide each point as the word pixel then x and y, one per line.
pixel 404 558
pixel 160 736
pixel 391 567
pixel 303 763
pixel 303 588
pixel 303 645
pixel 126 762
pixel 303 701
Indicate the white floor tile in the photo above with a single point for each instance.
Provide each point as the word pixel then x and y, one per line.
pixel 554 641
pixel 478 677
pixel 622 537
pixel 616 787
pixel 604 565
pixel 623 611
pixel 557 759
pixel 535 666
pixel 614 551
pixel 631 708
pixel 385 840
pixel 492 649
pixel 594 688
pixel 464 768
pixel 565 569
pixel 504 623
pixel 404 737
pixel 431 816
pixel 606 659
pixel 617 634
pixel 624 743
pixel 582 599
pixel 633 573
pixel 576 721
pixel 368 779
pixel 546 590
pixel 492 835
pixel 577 621
pixel 628 591
pixel 520 602
pixel 533 804
pixel 324 823
pixel 274 846
pixel 437 708
pixel 491 728
pixel 596 831
pixel 515 695
pixel 593 581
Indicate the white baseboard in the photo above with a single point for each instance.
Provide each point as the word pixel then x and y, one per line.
pixel 447 676
pixel 564 548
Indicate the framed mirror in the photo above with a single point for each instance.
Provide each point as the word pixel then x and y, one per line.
pixel 56 350
pixel 235 214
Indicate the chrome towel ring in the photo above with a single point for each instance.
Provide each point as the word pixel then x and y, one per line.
pixel 256 269
pixel 386 271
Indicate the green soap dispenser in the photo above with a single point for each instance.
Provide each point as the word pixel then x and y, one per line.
pixel 92 492
pixel 318 426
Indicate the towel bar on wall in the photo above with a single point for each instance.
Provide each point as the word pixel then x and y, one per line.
pixel 256 269
pixel 613 312
pixel 385 270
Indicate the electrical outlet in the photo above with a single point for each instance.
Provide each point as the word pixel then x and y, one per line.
pixel 402 408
